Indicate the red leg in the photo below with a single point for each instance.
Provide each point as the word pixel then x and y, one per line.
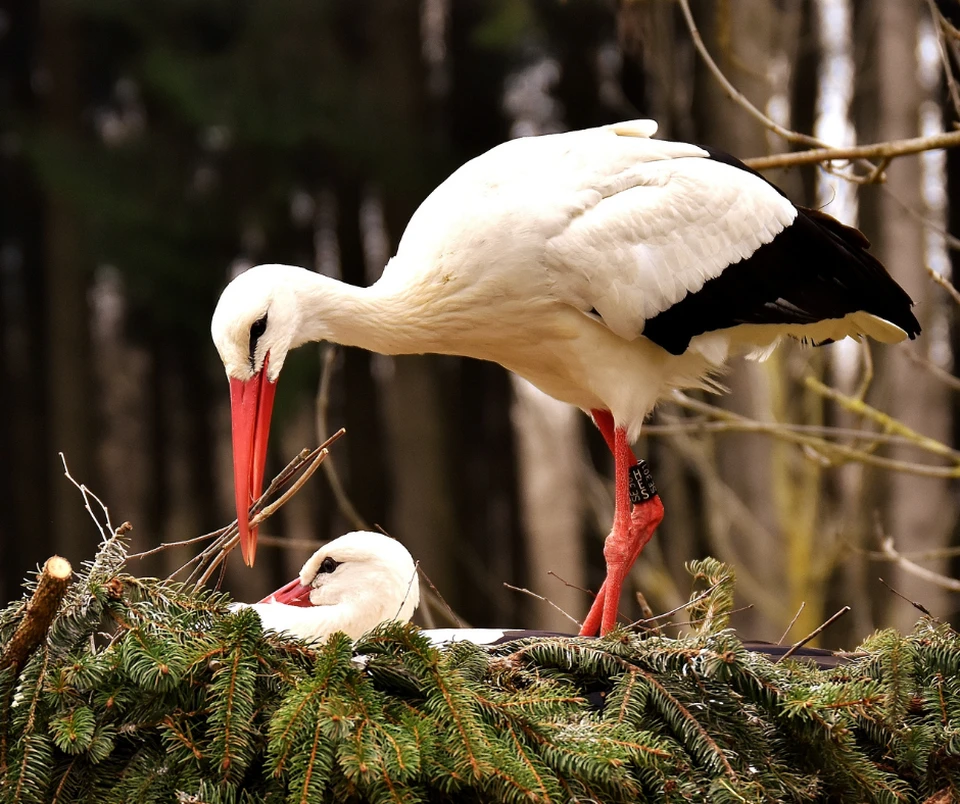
pixel 633 527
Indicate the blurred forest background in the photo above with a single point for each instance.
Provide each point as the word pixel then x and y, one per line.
pixel 150 150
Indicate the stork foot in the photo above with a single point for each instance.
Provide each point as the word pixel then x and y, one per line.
pixel 621 550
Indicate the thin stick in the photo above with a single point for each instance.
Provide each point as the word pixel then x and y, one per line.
pixel 934 554
pixel 413 578
pixel 792 623
pixel 916 604
pixel 105 530
pixel 229 536
pixel 701 620
pixel 944 57
pixel 953 383
pixel 645 608
pixel 545 600
pixel 428 598
pixel 228 532
pixel 699 426
pixel 344 503
pixel 440 597
pixel 819 151
pixel 265 513
pixel 682 606
pixel 571 585
pixel 908 566
pixel 945 283
pixel 813 634
pixel 183 543
pixel 647 611
pixel 735 94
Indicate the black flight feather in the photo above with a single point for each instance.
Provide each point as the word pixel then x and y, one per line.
pixel 815 269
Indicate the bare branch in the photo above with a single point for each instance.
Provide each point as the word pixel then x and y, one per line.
pixel 344 503
pixel 884 420
pixel 681 607
pixel 953 383
pixel 908 566
pixel 792 622
pixel 916 604
pixel 735 94
pixel 839 453
pixel 813 634
pixel 945 283
pixel 884 151
pixel 571 585
pixel 106 528
pixel 460 623
pixel 545 600
pixel 945 29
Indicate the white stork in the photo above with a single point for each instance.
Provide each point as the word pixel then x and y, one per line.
pixel 363 579
pixel 606 267
pixel 351 584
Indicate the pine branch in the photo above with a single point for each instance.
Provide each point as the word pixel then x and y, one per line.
pixel 189 702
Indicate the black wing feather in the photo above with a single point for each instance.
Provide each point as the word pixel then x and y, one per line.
pixel 815 269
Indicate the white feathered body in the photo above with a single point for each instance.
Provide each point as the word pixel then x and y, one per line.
pixel 569 243
pixel 550 255
pixel 374 581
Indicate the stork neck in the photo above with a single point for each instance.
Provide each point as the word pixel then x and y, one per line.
pixel 382 318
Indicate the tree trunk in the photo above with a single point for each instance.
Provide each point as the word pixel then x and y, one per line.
pixel 919 514
pixel 742 37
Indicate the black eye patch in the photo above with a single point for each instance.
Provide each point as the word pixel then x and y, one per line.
pixel 256 330
pixel 328 565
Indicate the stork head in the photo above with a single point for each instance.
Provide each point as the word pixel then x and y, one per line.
pixel 254 326
pixel 369 576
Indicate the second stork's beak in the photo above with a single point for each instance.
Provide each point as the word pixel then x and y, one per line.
pixel 292 594
pixel 251 403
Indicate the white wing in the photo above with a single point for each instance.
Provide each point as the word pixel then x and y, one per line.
pixel 671 225
pixel 604 219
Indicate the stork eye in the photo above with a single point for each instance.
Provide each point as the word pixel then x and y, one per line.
pixel 256 330
pixel 328 565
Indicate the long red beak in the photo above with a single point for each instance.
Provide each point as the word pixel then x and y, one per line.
pixel 251 403
pixel 293 594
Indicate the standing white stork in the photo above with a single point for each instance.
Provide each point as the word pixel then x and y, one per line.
pixel 605 267
pixel 351 584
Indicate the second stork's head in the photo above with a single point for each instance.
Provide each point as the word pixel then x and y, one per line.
pixel 254 326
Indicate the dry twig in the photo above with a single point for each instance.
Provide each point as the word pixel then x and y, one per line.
pixel 106 528
pixel 945 283
pixel 436 592
pixel 908 566
pixel 818 152
pixel 544 599
pixel 225 539
pixel 813 634
pixel 915 603
pixel 792 622
pixel 344 503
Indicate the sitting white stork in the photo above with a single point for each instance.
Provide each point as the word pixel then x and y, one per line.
pixel 605 267
pixel 351 584
pixel 363 579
